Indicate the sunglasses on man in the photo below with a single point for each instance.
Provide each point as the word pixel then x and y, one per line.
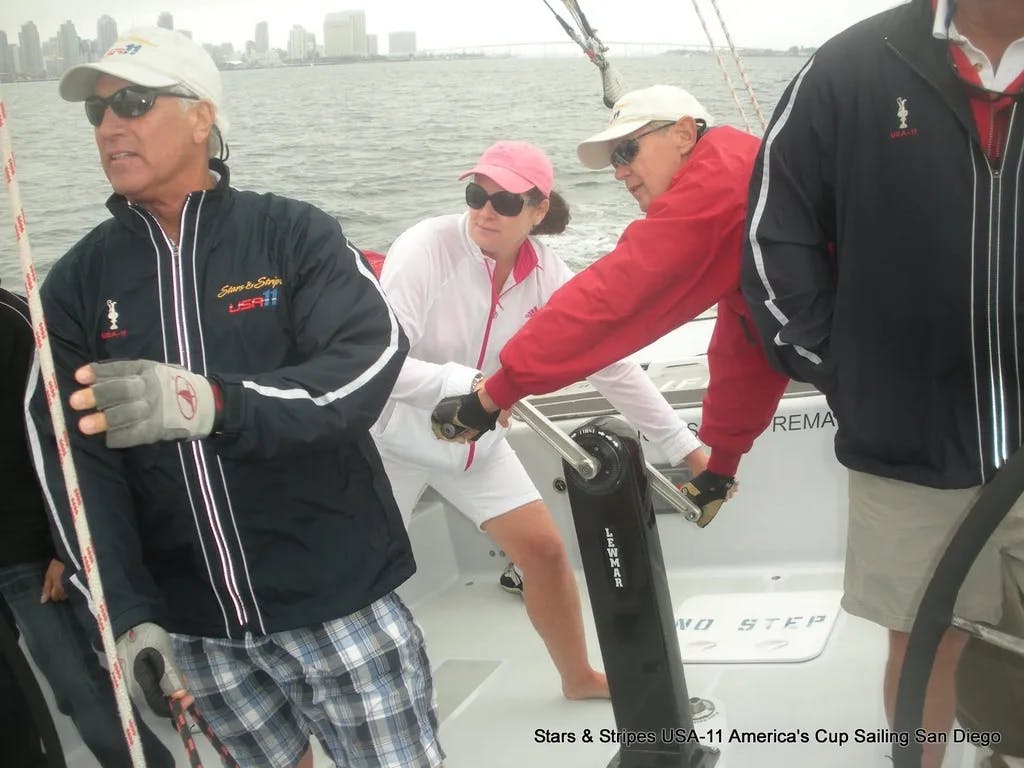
pixel 129 102
pixel 625 151
pixel 504 203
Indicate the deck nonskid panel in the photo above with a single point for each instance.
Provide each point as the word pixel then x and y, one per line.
pixel 499 699
pixel 784 534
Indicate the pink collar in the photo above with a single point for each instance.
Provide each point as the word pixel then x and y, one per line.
pixel 526 260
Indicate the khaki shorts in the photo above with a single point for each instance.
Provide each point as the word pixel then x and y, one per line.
pixel 990 680
pixel 899 531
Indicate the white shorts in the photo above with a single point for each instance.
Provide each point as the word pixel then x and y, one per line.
pixel 493 485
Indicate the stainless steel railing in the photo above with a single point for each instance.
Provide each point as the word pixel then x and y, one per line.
pixel 588 466
pixel 990 635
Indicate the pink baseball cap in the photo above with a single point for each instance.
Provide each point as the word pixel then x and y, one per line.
pixel 515 166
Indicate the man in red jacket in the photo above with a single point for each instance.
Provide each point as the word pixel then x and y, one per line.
pixel 683 257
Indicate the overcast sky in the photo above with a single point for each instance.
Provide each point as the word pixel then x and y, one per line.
pixel 452 23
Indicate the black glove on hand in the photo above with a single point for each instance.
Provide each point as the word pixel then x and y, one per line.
pixel 455 417
pixel 708 491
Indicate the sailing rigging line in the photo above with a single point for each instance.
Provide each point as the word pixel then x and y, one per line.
pixel 722 67
pixel 566 26
pixel 739 65
pixel 586 38
pixel 67 465
pixel 178 712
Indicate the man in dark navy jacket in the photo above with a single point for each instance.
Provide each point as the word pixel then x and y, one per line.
pixel 236 499
pixel 882 266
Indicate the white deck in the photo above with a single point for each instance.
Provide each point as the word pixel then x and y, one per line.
pixel 785 531
pixel 496 685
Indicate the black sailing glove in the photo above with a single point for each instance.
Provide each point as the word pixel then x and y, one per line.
pixel 708 491
pixel 461 416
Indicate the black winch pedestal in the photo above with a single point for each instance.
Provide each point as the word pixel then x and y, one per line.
pixel 625 571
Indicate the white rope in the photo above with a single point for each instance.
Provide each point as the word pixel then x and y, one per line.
pixel 53 399
pixel 740 67
pixel 721 66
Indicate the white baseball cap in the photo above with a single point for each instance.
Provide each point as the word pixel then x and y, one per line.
pixel 152 57
pixel 635 110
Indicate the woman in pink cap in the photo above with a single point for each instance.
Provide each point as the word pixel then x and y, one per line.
pixel 461 286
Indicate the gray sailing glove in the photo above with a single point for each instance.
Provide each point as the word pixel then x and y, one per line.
pixel 147 660
pixel 145 402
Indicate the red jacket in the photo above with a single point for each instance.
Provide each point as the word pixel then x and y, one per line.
pixel 666 269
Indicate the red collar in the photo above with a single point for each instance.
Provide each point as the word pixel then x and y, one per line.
pixel 526 260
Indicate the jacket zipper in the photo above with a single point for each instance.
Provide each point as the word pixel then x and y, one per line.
pixel 483 347
pixel 220 540
pixel 998 395
pixel 993 150
pixel 995 190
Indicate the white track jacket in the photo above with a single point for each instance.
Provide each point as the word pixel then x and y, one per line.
pixel 440 286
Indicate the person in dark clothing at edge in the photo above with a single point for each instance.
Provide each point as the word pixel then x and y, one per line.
pixel 30 574
pixel 690 179
pixel 18 730
pixel 881 266
pixel 239 509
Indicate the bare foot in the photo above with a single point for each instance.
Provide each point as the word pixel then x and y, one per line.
pixel 594 686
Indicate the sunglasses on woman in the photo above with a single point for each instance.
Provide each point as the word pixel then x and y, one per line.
pixel 129 102
pixel 504 203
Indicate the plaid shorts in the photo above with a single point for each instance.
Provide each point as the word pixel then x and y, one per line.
pixel 361 684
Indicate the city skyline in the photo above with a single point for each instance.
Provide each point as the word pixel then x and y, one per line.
pixel 344 37
pixel 261 36
pixel 449 24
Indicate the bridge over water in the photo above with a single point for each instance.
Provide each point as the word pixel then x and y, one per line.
pixel 564 48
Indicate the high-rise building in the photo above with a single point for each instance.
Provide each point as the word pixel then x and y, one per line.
pixel 70 45
pixel 165 20
pixel 262 38
pixel 15 51
pixel 371 45
pixel 106 33
pixel 31 50
pixel 402 43
pixel 90 50
pixel 345 34
pixel 6 60
pixel 186 32
pixel 299 44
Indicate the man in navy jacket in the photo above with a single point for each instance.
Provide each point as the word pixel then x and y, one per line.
pixel 236 499
pixel 882 266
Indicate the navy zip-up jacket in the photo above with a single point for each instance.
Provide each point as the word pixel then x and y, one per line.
pixel 285 517
pixel 912 326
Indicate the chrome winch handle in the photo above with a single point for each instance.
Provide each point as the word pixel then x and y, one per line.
pixel 588 466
